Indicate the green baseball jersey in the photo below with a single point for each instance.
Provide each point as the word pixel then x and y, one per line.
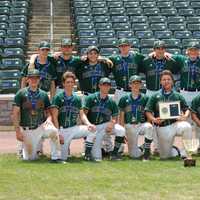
pixel 100 110
pixel 47 72
pixel 89 75
pixel 189 73
pixel 32 106
pixel 68 108
pixel 124 67
pixel 195 106
pixel 63 65
pixel 133 108
pixel 153 102
pixel 152 69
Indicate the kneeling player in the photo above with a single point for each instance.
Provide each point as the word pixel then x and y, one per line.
pixel 168 129
pixel 102 111
pixel 29 117
pixel 132 117
pixel 67 109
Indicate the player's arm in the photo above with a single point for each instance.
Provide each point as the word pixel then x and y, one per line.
pixel 195 118
pixel 121 118
pixel 54 117
pixel 52 89
pixel 152 119
pixel 185 110
pixel 85 121
pixel 16 122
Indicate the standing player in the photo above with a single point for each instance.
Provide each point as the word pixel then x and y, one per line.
pixel 67 109
pixel 168 129
pixel 31 109
pixel 102 111
pixel 132 117
pixel 47 67
pixel 125 65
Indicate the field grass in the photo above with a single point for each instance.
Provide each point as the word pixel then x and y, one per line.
pixel 109 180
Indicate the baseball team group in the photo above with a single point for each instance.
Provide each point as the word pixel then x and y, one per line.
pixel 48 105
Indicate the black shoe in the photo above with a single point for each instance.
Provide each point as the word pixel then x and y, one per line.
pixel 57 161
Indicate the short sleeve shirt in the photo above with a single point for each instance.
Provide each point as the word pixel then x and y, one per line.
pixel 32 108
pixel 68 109
pixel 100 110
pixel 133 108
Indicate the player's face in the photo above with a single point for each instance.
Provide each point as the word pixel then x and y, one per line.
pixel 92 56
pixel 104 88
pixel 44 52
pixel 69 84
pixel 124 49
pixel 166 82
pixel 33 81
pixel 193 53
pixel 135 86
pixel 67 49
pixel 160 51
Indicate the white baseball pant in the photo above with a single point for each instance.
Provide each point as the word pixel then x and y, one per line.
pixel 75 132
pixel 32 139
pixel 101 131
pixel 133 132
pixel 188 95
pixel 166 135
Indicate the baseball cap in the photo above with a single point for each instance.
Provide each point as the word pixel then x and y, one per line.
pixel 105 80
pixel 44 45
pixel 135 78
pixel 92 48
pixel 159 43
pixel 66 42
pixel 193 45
pixel 33 72
pixel 123 41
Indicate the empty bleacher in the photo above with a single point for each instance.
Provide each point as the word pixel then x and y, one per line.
pixel 102 23
pixel 14 17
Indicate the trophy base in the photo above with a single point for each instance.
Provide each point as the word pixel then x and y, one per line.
pixel 189 162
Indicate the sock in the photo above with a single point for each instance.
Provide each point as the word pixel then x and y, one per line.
pixel 88 148
pixel 118 142
pixel 147 147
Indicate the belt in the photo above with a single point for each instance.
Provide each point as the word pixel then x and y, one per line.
pixel 120 88
pixel 167 123
pixel 29 128
pixel 190 89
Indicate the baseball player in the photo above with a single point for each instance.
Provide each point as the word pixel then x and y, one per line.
pixel 132 117
pixel 125 65
pixel 67 108
pixel 102 111
pixel 47 67
pixel 168 129
pixel 153 66
pixel 30 112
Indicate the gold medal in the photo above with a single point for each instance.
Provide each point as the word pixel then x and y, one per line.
pixel 33 112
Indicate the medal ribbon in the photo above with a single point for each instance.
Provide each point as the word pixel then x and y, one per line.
pixel 68 100
pixel 134 105
pixel 43 71
pixel 33 97
pixel 95 75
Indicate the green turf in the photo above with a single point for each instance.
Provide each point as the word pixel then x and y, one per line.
pixel 123 180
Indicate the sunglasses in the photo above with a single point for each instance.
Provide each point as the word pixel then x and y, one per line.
pixel 45 49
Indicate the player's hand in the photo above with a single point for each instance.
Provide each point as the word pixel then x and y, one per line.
pixel 106 60
pixel 19 135
pixel 157 120
pixel 109 127
pixel 61 139
pixel 84 57
pixel 56 55
pixel 92 128
pixel 167 55
pixel 182 118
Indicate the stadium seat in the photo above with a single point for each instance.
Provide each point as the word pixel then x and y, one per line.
pixel 108 51
pixel 17 26
pixel 138 19
pixel 85 42
pixel 82 11
pixel 103 26
pixel 81 4
pixel 13 52
pixel 168 12
pixel 5 4
pixel 107 42
pixel 193 20
pixel 130 4
pixel 3 18
pixel 4 11
pixel 163 34
pixel 148 4
pixel 85 26
pixel 165 4
pixel 106 33
pixel 176 19
pixel 3 25
pixel 10 74
pixel 84 19
pixel 139 26
pixel 117 11
pixel 9 86
pixel 181 4
pixel 147 43
pixel 11 63
pixel 101 19
pixel 173 43
pixel 174 51
pixel 1 42
pixel 146 51
pixel 3 33
pixel 158 26
pixel 176 27
pixel 18 19
pixel 16 33
pixel 134 42
pixel 182 34
pixel 98 4
pixel 151 11
pixel 99 11
pixel 195 4
pixel 196 34
pixel 134 11
pixel 157 19
pixel 121 26
pixel 193 27
pixel 14 42
pixel 87 33
pixel 119 19
pixel 186 12
pixel 185 42
pixel 114 4
pixel 19 11
pixel 20 4
pixel 144 34
pixel 125 34
pixel 197 12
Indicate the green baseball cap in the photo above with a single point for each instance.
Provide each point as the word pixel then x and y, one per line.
pixel 105 80
pixel 193 45
pixel 158 44
pixel 123 41
pixel 44 45
pixel 92 48
pixel 66 42
pixel 33 72
pixel 135 78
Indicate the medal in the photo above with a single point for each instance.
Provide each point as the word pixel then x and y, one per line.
pixel 33 112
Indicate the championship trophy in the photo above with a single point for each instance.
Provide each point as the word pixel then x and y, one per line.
pixel 191 146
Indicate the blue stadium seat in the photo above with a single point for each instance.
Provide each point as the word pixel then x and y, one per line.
pixel 14 42
pixel 174 51
pixel 146 51
pixel 3 25
pixel 82 11
pixel 151 11
pixel 13 52
pixel 195 4
pixel 134 11
pixel 185 42
pixel 148 4
pixel 119 19
pixel 163 34
pixel 17 26
pixel 165 4
pixel 1 42
pixel 117 11
pixel 3 18
pixel 186 12
pixel 139 26
pixel 106 33
pixel 81 4
pixel 147 43
pixel 168 11
pixel 121 26
pixel 85 26
pixel 19 11
pixel 182 34
pixel 181 4
pixel 176 19
pixel 4 11
pixel 158 26
pixel 98 4
pixel 85 42
pixel 114 4
pixel 172 43
pixel 9 86
pixel 16 33
pixel 10 74
pixel 87 33
pixel 3 33
pixel 20 4
pixel 125 34
pixel 197 12
pixel 138 19
pixel 176 27
pixel 107 42
pixel 134 42
pixel 99 11
pixel 193 27
pixel 103 19
pixel 103 26
pixel 11 63
pixel 108 51
pixel 157 19
pixel 144 34
pixel 18 19
pixel 131 4
pixel 193 20
pixel 5 4
pixel 196 34
pixel 84 19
